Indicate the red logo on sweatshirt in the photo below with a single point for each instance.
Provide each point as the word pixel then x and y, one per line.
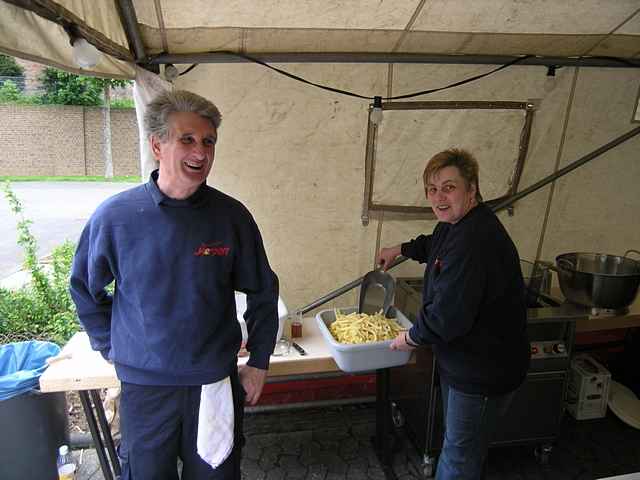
pixel 437 266
pixel 212 250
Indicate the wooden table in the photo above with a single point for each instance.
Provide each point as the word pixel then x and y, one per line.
pixel 87 372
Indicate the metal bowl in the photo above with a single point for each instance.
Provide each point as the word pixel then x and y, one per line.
pixel 598 280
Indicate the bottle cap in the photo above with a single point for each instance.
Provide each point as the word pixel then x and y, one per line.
pixel 63 450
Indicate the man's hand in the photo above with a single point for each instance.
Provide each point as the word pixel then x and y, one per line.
pixel 252 380
pixel 388 255
pixel 400 343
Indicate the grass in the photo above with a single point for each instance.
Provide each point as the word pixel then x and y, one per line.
pixel 42 178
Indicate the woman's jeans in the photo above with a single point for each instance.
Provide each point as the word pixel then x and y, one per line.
pixel 470 421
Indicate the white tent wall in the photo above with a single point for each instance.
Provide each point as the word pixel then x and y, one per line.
pixel 597 207
pixel 294 155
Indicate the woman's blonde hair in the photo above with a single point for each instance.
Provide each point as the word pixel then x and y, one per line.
pixel 464 161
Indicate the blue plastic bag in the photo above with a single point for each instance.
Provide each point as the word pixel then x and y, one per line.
pixel 21 364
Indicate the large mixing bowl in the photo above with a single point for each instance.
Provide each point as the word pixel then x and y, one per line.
pixel 598 280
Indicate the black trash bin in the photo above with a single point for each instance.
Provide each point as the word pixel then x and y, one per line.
pixel 34 425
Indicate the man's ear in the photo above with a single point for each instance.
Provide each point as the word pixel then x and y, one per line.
pixel 154 141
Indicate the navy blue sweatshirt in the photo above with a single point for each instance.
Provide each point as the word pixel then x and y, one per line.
pixel 473 311
pixel 176 265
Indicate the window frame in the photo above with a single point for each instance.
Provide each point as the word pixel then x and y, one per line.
pixel 370 208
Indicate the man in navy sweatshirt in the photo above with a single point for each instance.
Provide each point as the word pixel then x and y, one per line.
pixel 176 250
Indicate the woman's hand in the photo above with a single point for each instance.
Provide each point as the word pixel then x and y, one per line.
pixel 400 343
pixel 388 255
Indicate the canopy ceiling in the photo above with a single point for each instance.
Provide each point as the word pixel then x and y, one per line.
pixel 140 30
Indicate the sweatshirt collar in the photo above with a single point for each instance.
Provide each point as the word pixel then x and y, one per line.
pixel 197 199
pixel 477 210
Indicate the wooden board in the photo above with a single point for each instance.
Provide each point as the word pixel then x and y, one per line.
pixel 87 370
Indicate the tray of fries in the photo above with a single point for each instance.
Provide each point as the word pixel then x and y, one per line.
pixel 360 342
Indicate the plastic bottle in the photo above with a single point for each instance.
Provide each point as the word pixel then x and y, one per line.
pixel 66 465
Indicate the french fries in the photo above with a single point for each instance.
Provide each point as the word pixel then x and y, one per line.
pixel 362 328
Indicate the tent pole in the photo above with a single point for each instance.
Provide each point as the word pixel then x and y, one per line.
pixel 363 57
pixel 129 20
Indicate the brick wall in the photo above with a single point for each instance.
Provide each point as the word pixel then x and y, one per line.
pixel 65 140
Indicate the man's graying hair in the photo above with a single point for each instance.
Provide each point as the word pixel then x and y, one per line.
pixel 156 118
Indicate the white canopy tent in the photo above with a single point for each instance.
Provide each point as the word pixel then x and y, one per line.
pixel 454 31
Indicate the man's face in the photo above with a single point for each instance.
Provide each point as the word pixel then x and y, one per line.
pixel 449 195
pixel 186 154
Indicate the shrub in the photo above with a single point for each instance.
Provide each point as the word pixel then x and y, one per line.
pixel 43 308
pixel 9 67
pixel 122 103
pixel 9 92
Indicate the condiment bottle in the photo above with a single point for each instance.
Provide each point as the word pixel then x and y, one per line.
pixel 296 326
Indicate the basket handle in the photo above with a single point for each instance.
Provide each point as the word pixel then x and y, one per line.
pixel 630 251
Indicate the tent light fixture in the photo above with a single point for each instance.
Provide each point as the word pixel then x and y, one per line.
pixel 170 72
pixel 84 54
pixel 375 114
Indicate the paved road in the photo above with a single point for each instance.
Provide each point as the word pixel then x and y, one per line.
pixel 58 210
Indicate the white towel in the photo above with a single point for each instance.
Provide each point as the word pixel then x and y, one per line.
pixel 215 422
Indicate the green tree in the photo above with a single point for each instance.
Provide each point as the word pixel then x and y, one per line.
pixel 64 88
pixel 9 67
pixel 9 92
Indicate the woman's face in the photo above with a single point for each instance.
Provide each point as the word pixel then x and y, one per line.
pixel 449 195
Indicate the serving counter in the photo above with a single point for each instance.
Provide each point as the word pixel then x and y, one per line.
pixel 82 368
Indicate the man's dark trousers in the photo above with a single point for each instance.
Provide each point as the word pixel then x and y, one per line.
pixel 160 424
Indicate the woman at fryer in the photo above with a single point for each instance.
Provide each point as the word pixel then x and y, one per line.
pixel 473 312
